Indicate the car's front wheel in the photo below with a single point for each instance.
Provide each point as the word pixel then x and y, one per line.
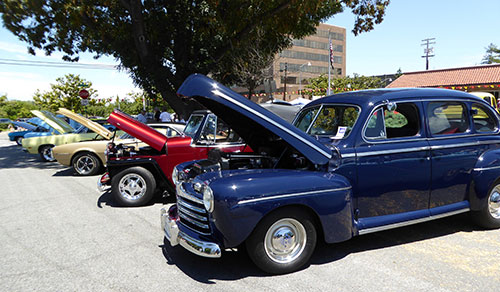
pixel 283 241
pixel 133 186
pixel 19 140
pixel 46 153
pixel 86 164
pixel 489 215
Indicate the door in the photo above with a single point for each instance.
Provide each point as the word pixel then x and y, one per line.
pixel 393 163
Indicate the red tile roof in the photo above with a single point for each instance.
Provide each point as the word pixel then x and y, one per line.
pixel 476 75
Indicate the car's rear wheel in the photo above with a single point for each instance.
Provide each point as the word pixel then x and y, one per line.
pixel 489 215
pixel 283 241
pixel 133 186
pixel 45 152
pixel 86 163
pixel 19 140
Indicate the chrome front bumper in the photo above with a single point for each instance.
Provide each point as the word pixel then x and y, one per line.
pixel 102 187
pixel 169 226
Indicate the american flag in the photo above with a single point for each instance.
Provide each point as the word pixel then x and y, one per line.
pixel 331 54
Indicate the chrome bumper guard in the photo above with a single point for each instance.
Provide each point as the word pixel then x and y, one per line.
pixel 175 236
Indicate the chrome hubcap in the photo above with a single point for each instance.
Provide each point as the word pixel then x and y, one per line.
pixel 132 186
pixel 494 202
pixel 47 154
pixel 285 240
pixel 84 164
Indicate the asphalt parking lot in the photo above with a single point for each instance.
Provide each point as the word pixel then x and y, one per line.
pixel 58 233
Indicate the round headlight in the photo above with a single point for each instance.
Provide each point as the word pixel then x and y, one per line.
pixel 175 176
pixel 208 199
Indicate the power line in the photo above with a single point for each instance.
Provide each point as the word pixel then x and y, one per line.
pixel 15 62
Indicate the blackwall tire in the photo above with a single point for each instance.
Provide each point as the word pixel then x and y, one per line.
pixel 283 241
pixel 133 187
pixel 19 141
pixel 489 216
pixel 86 164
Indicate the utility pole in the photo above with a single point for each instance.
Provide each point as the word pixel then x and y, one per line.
pixel 428 50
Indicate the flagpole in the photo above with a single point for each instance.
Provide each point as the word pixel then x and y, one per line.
pixel 329 62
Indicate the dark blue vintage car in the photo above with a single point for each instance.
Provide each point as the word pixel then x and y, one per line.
pixel 351 164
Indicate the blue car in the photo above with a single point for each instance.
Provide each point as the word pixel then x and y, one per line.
pixel 31 128
pixel 351 164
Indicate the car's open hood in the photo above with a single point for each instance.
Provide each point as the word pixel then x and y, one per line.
pixel 25 125
pixel 138 130
pixel 57 124
pixel 87 123
pixel 253 123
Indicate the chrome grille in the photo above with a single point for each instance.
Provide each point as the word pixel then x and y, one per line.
pixel 192 213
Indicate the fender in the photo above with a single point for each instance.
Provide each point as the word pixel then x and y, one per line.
pixel 243 198
pixel 485 173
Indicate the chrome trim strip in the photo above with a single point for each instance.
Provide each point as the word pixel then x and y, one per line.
pixel 217 92
pixel 477 143
pixel 348 155
pixel 192 221
pixel 411 222
pixel 393 151
pixel 486 168
pixel 291 195
pixel 191 214
pixel 184 204
pixel 182 193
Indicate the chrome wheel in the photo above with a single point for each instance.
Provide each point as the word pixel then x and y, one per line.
pixel 494 202
pixel 47 153
pixel 132 186
pixel 85 164
pixel 285 240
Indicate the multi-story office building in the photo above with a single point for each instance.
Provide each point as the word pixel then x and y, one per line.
pixel 308 58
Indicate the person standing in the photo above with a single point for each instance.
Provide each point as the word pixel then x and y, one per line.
pixel 165 116
pixel 141 117
pixel 157 114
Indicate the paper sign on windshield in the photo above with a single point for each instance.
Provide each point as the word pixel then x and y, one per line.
pixel 340 133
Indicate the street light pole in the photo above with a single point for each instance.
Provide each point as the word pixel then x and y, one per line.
pixel 300 76
pixel 284 88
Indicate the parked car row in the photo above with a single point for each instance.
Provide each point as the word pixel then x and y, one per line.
pixel 349 164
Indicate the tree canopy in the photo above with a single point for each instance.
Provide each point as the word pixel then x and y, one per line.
pixel 161 42
pixel 319 85
pixel 492 55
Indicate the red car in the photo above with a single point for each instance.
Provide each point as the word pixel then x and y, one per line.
pixel 136 175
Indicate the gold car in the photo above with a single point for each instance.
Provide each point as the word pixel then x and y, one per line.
pixel 88 158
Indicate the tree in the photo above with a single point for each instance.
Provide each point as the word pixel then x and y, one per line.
pixel 162 42
pixel 15 109
pixel 319 84
pixel 64 94
pixel 492 55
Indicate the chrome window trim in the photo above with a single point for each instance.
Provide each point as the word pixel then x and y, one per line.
pixel 291 195
pixel 417 137
pixel 492 112
pixel 329 104
pixel 411 222
pixel 266 118
pixel 456 145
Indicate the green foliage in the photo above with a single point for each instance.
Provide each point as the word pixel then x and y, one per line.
pixel 162 42
pixel 15 109
pixel 319 84
pixel 64 94
pixel 492 55
pixel 394 119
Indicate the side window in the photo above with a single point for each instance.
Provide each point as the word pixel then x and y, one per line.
pixel 447 117
pixel 306 118
pixel 484 121
pixel 402 122
pixel 208 133
pixel 225 134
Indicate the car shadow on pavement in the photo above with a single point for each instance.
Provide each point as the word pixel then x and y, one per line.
pixel 235 265
pixel 65 172
pixel 14 157
pixel 107 199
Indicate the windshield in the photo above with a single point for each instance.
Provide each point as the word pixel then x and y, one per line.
pixel 193 125
pixel 330 120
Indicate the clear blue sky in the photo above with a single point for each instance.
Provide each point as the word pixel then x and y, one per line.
pixel 462 30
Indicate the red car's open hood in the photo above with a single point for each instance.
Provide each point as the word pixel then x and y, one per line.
pixel 137 129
